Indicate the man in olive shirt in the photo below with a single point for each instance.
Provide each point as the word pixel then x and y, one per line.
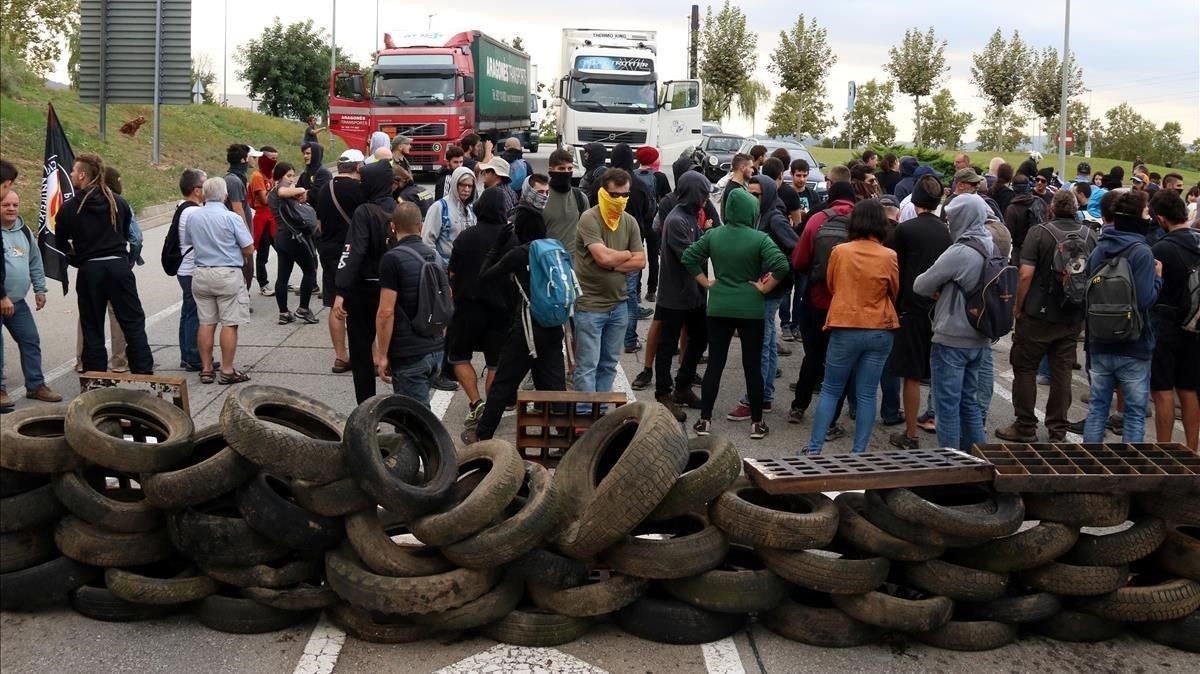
pixel 608 245
pixel 566 203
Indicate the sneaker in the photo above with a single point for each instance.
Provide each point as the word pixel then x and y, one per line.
pixel 44 394
pixel 1077 426
pixel 306 315
pixel 293 289
pixel 687 397
pixel 796 335
pixel 1043 380
pixel 6 403
pixel 759 430
pixel 893 422
pixel 651 296
pixel 739 413
pixel 469 436
pixel 633 348
pixel 835 432
pixel 927 422
pixel 783 350
pixel 444 384
pixel 1115 423
pixel 668 402
pixel 286 317
pixel 786 335
pixel 266 291
pixel 474 411
pixel 702 427
pixel 1014 434
pixel 795 415
pixel 643 380
pixel 903 441
pixel 644 313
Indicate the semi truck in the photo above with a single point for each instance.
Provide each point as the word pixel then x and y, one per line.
pixel 610 93
pixel 435 93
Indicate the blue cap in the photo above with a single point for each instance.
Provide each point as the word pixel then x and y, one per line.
pixel 925 171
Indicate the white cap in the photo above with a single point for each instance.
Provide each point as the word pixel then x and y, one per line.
pixel 355 156
pixel 254 154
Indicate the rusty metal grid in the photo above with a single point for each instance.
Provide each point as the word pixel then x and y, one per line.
pixel 173 389
pixel 549 422
pixel 1109 467
pixel 872 470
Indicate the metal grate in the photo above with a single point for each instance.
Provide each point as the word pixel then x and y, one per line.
pixel 1092 467
pixel 547 421
pixel 612 136
pixel 875 470
pixel 170 388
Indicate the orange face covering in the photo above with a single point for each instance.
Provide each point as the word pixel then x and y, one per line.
pixel 611 209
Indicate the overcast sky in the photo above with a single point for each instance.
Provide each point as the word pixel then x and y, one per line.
pixel 1147 53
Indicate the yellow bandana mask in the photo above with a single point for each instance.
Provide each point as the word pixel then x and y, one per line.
pixel 611 209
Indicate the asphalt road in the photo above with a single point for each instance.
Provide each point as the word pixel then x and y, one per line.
pixel 298 357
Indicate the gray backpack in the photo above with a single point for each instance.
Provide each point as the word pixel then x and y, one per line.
pixel 1112 307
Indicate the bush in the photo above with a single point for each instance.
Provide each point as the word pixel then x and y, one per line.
pixel 924 155
pixel 14 73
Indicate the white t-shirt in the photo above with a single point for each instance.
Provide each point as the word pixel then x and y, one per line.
pixel 188 266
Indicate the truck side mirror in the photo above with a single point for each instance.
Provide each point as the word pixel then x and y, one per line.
pixel 468 87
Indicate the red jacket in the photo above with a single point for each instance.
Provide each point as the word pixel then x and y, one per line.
pixel 802 260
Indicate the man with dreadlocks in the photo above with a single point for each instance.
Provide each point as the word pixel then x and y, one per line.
pixel 96 225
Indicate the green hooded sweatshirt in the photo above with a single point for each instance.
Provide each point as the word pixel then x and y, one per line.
pixel 740 255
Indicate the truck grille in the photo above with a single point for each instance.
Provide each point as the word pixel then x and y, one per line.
pixel 417 130
pixel 423 147
pixel 612 136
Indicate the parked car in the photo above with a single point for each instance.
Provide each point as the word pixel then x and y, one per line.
pixel 710 127
pixel 715 153
pixel 816 179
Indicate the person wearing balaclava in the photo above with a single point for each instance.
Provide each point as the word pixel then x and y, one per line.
pixel 452 214
pixel 315 176
pixel 595 155
pixel 264 223
pixel 1024 211
pixel 710 218
pixel 357 302
pixel 565 202
pixel 1125 364
pixel 528 346
pixel 641 207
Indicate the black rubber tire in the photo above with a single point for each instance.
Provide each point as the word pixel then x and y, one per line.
pixel 86 495
pixel 266 502
pixel 713 464
pixel 426 436
pixel 503 471
pixel 212 469
pixel 694 546
pixel 646 450
pixel 1167 600
pixel 750 516
pixel 1180 552
pixel 334 499
pixel 492 606
pixel 23 549
pixel 1181 633
pixel 1040 544
pixel 33 440
pixel 550 570
pixel 1015 609
pixel 889 609
pixel 740 584
pixel 278 573
pixel 879 514
pixel 827 571
pixel 216 534
pixel 374 627
pixel 163 586
pixel 1139 540
pixel 1072 580
pixel 88 411
pixel 535 628
pixel 1079 509
pixel 969 635
pixel 13 482
pixel 370 536
pixel 1175 507
pixel 30 510
pixel 302 597
pixel 855 529
pixel 812 618
pixel 42 584
pixel 238 615
pixel 938 508
pixel 591 599
pixel 669 621
pixel 98 603
pixel 310 450
pixel 530 519
pixel 96 546
pixel 960 583
pixel 427 594
pixel 1076 627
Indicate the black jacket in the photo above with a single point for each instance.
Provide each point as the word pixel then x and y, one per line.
pixel 641 202
pixel 677 289
pixel 349 196
pixel 773 220
pixel 918 243
pixel 401 272
pixel 679 168
pixel 367 238
pixel 315 175
pixel 594 156
pixel 84 221
pixel 473 244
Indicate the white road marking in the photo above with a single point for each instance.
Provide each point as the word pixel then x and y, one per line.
pixel 506 658
pixel 721 657
pixel 1007 395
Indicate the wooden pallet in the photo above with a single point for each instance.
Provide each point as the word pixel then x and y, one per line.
pixel 872 470
pixel 547 421
pixel 1105 467
pixel 171 388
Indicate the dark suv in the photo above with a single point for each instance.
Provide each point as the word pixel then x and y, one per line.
pixel 715 153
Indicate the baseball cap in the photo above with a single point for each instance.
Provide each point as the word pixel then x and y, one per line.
pixel 349 156
pixel 255 153
pixel 497 164
pixel 399 140
pixel 967 176
pixel 926 171
pixel 888 201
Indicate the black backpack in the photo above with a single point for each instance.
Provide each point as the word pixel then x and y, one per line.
pixel 1112 305
pixel 1069 265
pixel 989 306
pixel 1189 311
pixel 172 257
pixel 833 231
pixel 434 306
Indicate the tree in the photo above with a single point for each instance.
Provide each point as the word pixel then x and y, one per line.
pixel 918 65
pixel 800 115
pixel 288 69
pixel 869 125
pixel 1043 85
pixel 1001 132
pixel 749 96
pixel 728 54
pixel 202 72
pixel 999 71
pixel 1079 124
pixel 73 55
pixel 36 29
pixel 1125 135
pixel 1168 145
pixel 945 126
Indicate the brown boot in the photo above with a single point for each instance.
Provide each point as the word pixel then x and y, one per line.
pixel 6 403
pixel 44 394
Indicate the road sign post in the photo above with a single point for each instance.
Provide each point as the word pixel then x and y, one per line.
pixel 851 97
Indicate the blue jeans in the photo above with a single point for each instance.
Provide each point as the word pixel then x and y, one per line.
pixel 785 309
pixel 189 323
pixel 889 394
pixel 413 377
pixel 598 347
pixel 633 287
pixel 770 357
pixel 1044 367
pixel 1133 376
pixel 955 384
pixel 864 352
pixel 987 382
pixel 24 332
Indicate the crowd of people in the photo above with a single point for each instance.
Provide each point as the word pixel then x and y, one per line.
pixel 883 281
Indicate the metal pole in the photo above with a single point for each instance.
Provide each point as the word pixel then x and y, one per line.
pixel 694 42
pixel 103 68
pixel 332 67
pixel 225 57
pixel 157 77
pixel 1062 108
pixel 376 41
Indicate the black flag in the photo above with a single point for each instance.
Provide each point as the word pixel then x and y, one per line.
pixel 56 190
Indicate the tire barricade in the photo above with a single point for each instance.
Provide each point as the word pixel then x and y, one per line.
pixel 286 508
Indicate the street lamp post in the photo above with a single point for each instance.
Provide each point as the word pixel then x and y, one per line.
pixel 332 67
pixel 1062 108
pixel 225 57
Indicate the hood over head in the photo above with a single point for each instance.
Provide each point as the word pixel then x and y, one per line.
pixel 528 224
pixel 318 155
pixel 681 166
pixel 594 155
pixel 842 190
pixel 378 139
pixel 460 174
pixel 622 157
pixel 966 216
pixel 376 181
pixel 741 210
pixel 908 166
pixel 693 189
pixel 769 201
pixel 490 206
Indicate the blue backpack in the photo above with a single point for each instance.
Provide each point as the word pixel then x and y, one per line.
pixel 989 306
pixel 518 170
pixel 552 285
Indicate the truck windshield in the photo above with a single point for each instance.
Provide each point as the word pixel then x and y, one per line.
pixel 412 89
pixel 629 97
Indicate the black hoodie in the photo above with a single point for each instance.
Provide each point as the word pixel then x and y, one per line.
pixel 680 167
pixel 641 202
pixel 315 175
pixel 473 244
pixel 84 221
pixel 367 238
pixel 773 220
pixel 677 289
pixel 594 156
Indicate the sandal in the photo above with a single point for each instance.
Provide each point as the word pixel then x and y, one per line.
pixel 340 366
pixel 234 378
pixel 208 377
